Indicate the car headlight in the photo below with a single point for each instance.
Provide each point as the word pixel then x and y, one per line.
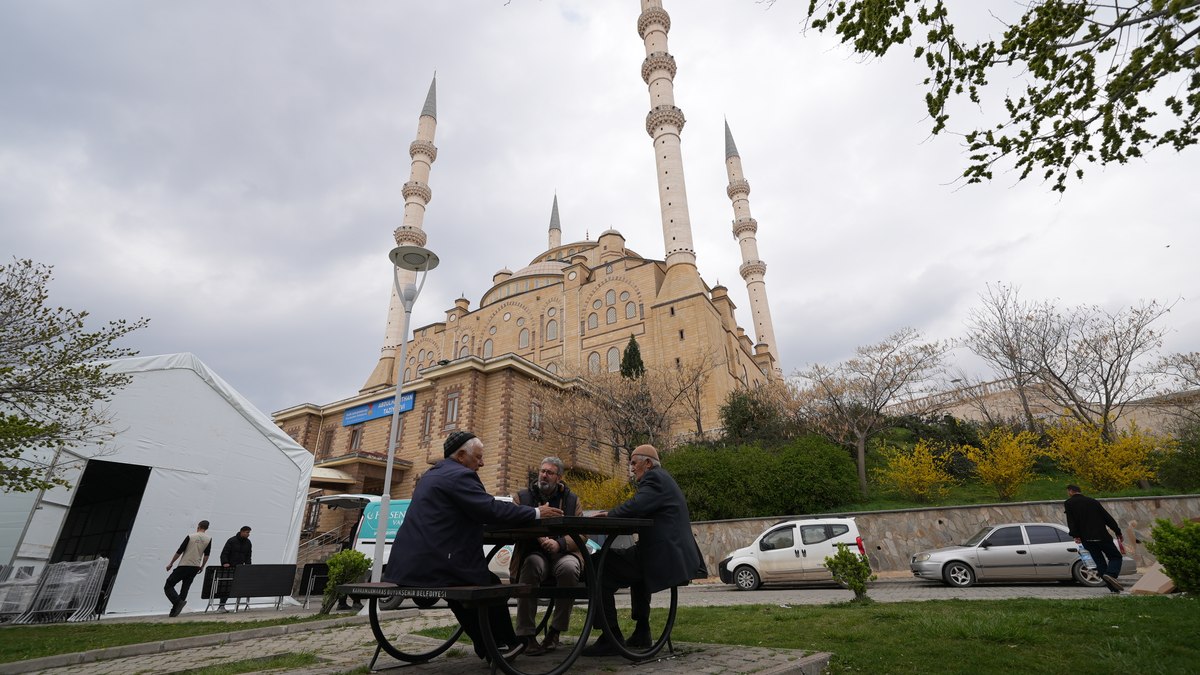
pixel 920 557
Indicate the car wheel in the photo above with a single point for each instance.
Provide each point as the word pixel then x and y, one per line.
pixel 1085 576
pixel 746 579
pixel 393 602
pixel 958 574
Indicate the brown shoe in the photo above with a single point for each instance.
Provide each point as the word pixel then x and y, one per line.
pixel 532 648
pixel 551 642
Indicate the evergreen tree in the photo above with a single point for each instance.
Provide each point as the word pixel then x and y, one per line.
pixel 632 367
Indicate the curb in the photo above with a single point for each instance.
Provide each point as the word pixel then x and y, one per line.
pixel 207 640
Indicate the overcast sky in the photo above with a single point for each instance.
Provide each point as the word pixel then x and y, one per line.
pixel 232 170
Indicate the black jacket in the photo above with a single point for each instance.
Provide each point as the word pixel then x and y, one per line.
pixel 236 551
pixel 1087 518
pixel 667 552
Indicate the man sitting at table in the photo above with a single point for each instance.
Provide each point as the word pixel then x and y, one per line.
pixel 666 555
pixel 440 542
pixel 536 560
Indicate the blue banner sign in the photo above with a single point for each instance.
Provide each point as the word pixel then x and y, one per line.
pixel 370 519
pixel 377 409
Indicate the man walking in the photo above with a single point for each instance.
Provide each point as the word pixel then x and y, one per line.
pixel 237 551
pixel 192 555
pixel 1088 521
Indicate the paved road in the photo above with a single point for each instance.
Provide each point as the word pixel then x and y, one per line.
pixel 346 644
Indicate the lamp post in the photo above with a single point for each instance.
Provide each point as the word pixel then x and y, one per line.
pixel 419 260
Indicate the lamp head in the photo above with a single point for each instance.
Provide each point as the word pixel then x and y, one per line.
pixel 415 258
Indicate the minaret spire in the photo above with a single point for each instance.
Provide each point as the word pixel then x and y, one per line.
pixel 753 269
pixel 555 229
pixel 417 196
pixel 664 123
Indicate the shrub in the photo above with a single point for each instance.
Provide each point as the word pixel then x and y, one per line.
pixel 1178 550
pixel 1179 466
pixel 918 474
pixel 599 492
pixel 345 567
pixel 1005 461
pixel 1106 466
pixel 851 570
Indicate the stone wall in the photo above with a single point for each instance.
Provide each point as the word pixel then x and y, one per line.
pixel 892 537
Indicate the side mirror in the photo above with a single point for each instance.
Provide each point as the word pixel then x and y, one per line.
pixel 765 545
pixel 985 543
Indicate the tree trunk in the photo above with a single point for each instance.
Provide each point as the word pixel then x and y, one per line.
pixel 860 447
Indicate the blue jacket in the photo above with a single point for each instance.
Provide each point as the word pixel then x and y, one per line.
pixel 667 552
pixel 440 542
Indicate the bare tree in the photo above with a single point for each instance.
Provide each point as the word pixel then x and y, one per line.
pixel 1002 332
pixel 846 402
pixel 689 380
pixel 1182 396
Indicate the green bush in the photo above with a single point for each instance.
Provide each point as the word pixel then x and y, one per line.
pixel 1178 550
pixel 1179 464
pixel 806 475
pixel 345 567
pixel 851 570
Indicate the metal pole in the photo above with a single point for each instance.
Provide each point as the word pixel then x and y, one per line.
pixel 385 500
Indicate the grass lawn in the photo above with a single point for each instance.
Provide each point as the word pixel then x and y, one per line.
pixel 18 643
pixel 1126 634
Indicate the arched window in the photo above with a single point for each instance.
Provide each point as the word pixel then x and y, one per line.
pixel 611 315
pixel 463 352
pixel 610 297
pixel 630 310
pixel 421 355
pixel 487 349
pixel 614 359
pixel 407 374
pixel 523 338
pixel 593 320
pixel 553 368
pixel 594 362
pixel 551 330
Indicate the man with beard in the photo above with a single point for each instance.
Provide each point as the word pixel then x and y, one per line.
pixel 536 560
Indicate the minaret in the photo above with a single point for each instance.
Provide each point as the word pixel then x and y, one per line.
pixel 753 269
pixel 664 123
pixel 416 196
pixel 555 230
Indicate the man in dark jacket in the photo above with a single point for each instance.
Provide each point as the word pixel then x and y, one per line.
pixel 666 555
pixel 236 552
pixel 1088 521
pixel 536 560
pixel 440 542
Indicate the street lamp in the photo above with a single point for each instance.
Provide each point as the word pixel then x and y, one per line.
pixel 420 260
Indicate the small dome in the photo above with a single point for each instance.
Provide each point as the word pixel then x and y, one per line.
pixel 611 231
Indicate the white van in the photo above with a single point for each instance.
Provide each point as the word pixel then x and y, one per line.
pixel 790 551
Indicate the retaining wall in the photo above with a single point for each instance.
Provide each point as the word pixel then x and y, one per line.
pixel 892 537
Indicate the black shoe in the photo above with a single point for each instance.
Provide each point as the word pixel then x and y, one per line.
pixel 1113 585
pixel 641 637
pixel 177 607
pixel 601 647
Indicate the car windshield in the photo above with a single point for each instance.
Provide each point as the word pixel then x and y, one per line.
pixel 977 537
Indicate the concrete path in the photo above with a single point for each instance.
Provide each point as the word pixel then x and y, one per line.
pixel 345 643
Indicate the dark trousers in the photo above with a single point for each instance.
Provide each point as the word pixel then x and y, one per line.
pixel 224 581
pixel 182 574
pixel 622 570
pixel 1106 554
pixel 498 618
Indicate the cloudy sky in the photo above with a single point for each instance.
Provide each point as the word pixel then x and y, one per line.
pixel 232 171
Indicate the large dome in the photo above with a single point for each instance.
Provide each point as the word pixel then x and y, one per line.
pixel 539 268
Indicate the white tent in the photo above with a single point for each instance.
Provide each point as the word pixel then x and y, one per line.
pixel 187 448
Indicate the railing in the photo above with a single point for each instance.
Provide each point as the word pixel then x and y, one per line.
pixel 307 549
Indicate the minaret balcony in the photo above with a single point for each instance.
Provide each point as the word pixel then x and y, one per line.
pixel 654 15
pixel 661 115
pixel 658 61
pixel 417 189
pixel 422 147
pixel 752 268
pixel 744 226
pixel 740 186
pixel 407 235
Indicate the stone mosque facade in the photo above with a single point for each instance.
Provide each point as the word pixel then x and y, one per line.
pixel 495 369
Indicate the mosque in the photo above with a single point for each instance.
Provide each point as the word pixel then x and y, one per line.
pixel 495 369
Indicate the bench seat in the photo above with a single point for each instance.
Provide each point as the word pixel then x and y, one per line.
pixel 467 595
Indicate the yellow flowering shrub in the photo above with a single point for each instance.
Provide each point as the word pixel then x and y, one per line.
pixel 1005 461
pixel 597 493
pixel 1105 466
pixel 918 474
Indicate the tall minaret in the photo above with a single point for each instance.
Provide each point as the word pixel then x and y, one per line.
pixel 416 196
pixel 753 269
pixel 555 229
pixel 664 123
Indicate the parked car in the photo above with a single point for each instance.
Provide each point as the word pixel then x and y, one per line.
pixel 790 551
pixel 1011 552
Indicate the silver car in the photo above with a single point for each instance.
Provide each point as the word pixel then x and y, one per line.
pixel 1011 552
